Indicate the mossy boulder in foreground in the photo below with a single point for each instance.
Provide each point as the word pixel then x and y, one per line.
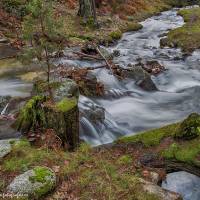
pixel 60 114
pixel 33 183
pixel 189 128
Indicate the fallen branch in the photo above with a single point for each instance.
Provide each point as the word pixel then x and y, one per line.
pixel 107 63
pixel 87 56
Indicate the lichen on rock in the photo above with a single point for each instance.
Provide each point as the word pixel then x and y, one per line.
pixel 34 183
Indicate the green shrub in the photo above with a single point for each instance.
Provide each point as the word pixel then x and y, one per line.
pixel 15 7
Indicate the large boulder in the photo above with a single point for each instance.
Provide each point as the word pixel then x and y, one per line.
pixel 34 183
pixel 189 128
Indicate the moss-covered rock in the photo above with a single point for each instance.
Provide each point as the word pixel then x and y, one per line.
pixel 60 114
pixel 34 183
pixel 189 128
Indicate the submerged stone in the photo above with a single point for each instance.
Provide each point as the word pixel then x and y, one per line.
pixel 33 183
pixel 142 78
pixel 189 128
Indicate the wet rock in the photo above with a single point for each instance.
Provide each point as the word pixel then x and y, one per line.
pixel 159 192
pixel 189 128
pixel 162 35
pixel 116 53
pixel 164 42
pixel 7 51
pixel 142 78
pixel 95 113
pixel 33 183
pixel 5 148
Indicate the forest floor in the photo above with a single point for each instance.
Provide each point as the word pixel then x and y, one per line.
pixel 111 172
pixel 113 19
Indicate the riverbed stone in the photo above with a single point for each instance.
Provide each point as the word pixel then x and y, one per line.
pixel 142 78
pixel 33 183
pixel 159 192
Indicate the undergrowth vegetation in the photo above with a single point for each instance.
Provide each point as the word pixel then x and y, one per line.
pixel 186 37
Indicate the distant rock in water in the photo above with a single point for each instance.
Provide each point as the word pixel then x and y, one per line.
pixel 142 78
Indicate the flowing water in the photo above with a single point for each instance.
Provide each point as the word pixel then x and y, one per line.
pixel 129 109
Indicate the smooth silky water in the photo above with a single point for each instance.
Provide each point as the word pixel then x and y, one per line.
pixel 130 109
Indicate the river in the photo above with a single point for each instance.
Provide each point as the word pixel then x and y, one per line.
pixel 131 110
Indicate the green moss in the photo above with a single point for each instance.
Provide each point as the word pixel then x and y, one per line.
pixel 66 104
pixel 186 152
pixel 125 160
pixel 45 176
pixel 116 35
pixel 187 37
pixel 151 137
pixel 41 174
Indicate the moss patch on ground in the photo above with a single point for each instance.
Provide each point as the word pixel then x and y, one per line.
pixel 187 152
pixel 186 37
pixel 151 137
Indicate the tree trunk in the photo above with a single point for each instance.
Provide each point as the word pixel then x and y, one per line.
pixel 87 9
